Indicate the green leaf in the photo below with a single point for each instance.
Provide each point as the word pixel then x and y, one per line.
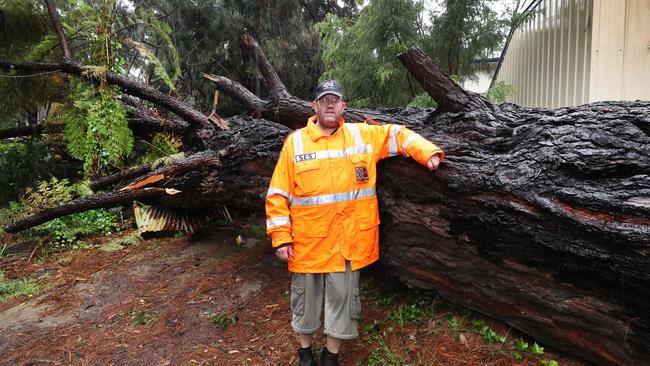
pixel 549 363
pixel 521 345
pixel 536 349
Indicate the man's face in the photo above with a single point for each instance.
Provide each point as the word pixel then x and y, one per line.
pixel 329 109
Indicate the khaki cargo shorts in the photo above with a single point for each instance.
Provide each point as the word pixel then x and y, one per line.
pixel 338 291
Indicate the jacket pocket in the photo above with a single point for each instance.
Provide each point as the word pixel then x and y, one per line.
pixel 368 216
pixel 358 159
pixel 311 222
pixel 361 170
pixel 309 179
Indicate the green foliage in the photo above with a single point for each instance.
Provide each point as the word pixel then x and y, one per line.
pixel 21 164
pixel 119 243
pixel 370 290
pixel 257 231
pixel 222 320
pixel 521 345
pixel 142 317
pixel 549 363
pixel 361 53
pixel 536 349
pixel 457 324
pixel 64 231
pixel 373 329
pixel 96 128
pixel 23 24
pixel 49 193
pixel 158 31
pixel 385 356
pixel 500 91
pixel 419 310
pixel 162 145
pixel 464 31
pixel 12 288
pixel 422 100
pixel 488 335
pixel 11 212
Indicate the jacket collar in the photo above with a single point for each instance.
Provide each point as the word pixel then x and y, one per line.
pixel 315 132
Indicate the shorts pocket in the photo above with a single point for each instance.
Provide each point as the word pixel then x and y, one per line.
pixel 297 300
pixel 355 305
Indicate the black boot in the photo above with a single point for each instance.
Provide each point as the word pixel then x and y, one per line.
pixel 328 358
pixel 306 357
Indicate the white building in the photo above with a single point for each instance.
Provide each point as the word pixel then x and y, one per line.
pixel 571 52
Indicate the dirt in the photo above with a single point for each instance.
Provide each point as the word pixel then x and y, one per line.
pixel 154 304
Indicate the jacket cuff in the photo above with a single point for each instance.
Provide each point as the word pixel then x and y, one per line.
pixel 437 151
pixel 280 238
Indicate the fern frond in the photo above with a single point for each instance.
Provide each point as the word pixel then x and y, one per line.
pixel 158 68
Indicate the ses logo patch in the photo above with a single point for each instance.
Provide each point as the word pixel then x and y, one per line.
pixel 305 157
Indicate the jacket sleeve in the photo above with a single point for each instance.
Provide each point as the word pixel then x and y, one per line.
pixel 278 198
pixel 391 140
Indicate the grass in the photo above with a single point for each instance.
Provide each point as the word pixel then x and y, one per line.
pixel 420 309
pixel 13 288
pixel 142 317
pixel 383 355
pixel 222 320
pixel 408 315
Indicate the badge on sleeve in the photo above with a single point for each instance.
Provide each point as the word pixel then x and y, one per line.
pixel 362 173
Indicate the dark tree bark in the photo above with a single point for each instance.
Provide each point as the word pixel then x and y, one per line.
pixel 449 95
pixel 538 217
pixel 56 22
pixel 122 176
pixel 87 203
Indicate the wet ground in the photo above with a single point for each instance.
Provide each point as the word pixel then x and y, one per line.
pixel 210 301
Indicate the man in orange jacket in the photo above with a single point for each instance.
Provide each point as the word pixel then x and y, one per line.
pixel 322 214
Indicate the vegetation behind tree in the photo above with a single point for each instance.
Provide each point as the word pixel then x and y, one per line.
pixel 168 44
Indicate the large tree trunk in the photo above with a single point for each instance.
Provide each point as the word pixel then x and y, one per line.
pixel 538 217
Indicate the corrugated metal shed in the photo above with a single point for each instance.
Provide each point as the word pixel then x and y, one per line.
pixel 151 218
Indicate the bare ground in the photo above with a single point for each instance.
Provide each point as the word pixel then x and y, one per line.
pixel 155 304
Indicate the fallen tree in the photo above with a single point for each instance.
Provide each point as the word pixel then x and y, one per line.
pixel 537 217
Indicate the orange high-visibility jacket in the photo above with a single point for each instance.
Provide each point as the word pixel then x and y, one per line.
pixel 322 195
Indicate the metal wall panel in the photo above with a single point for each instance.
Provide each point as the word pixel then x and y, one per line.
pixel 570 52
pixel 547 60
pixel 636 66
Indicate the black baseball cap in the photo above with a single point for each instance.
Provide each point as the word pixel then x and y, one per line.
pixel 328 87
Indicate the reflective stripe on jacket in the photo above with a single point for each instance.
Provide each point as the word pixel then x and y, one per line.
pixel 322 195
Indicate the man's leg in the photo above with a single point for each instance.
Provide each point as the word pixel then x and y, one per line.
pixel 306 306
pixel 305 339
pixel 342 308
pixel 333 344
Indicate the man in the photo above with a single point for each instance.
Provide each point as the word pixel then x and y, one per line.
pixel 323 218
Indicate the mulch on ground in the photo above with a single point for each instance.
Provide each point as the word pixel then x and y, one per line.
pixel 210 301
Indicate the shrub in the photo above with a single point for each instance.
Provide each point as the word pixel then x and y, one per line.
pixel 11 288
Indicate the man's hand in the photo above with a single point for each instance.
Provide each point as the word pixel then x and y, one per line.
pixel 285 253
pixel 433 162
